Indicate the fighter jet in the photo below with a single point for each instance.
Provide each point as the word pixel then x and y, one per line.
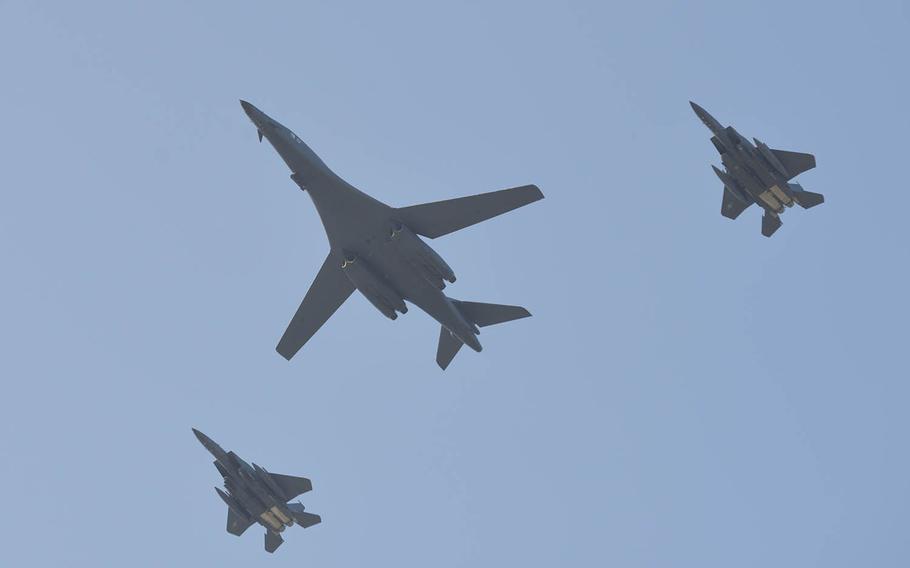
pixel 253 495
pixel 758 174
pixel 377 249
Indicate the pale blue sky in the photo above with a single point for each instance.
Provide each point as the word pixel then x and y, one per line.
pixel 688 393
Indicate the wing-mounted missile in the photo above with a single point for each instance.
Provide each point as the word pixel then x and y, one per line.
pixel 721 149
pixel 772 159
pixel 266 478
pixel 221 469
pixel 731 185
pixel 234 505
pixel 242 496
pixel 373 287
pixel 258 489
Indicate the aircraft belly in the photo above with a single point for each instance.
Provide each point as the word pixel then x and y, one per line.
pixel 781 196
pixel 281 516
pixel 272 521
pixel 768 199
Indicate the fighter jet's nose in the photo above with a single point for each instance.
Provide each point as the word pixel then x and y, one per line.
pixel 698 110
pixel 201 437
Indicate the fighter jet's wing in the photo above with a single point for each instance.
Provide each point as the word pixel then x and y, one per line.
pixel 795 162
pixel 732 206
pixel 326 294
pixel 236 525
pixel 290 485
pixel 443 217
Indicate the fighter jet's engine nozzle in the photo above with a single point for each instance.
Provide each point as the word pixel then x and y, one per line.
pixel 424 259
pixel 373 287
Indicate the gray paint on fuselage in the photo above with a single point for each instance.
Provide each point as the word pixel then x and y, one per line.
pixel 758 171
pixel 357 223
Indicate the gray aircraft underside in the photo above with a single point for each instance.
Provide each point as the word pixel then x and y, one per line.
pixel 254 495
pixel 758 174
pixel 377 249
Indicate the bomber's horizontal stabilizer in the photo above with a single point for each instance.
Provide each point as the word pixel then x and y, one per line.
pixel 443 217
pixel 291 486
pixel 770 223
pixel 806 199
pixel 490 314
pixel 272 541
pixel 795 162
pixel 449 345
pixel 303 518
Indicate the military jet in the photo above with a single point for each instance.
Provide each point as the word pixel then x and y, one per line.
pixel 377 249
pixel 253 495
pixel 758 174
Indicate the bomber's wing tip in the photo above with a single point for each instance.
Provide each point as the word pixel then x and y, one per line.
pixel 535 192
pixel 288 355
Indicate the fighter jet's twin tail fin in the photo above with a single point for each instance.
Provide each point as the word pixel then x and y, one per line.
pixel 806 199
pixel 479 314
pixel 303 518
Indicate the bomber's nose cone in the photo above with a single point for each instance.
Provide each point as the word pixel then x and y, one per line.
pixel 247 107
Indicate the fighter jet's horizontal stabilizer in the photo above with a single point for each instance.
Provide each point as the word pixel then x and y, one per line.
pixel 477 314
pixel 806 199
pixel 303 518
pixel 443 217
pixel 733 205
pixel 770 223
pixel 272 541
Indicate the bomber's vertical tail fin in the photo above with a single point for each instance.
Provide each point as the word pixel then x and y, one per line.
pixel 449 345
pixel 479 314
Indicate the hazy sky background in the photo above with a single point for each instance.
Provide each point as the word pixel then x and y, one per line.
pixel 687 394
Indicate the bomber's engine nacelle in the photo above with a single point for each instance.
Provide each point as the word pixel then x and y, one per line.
pixel 419 254
pixel 373 287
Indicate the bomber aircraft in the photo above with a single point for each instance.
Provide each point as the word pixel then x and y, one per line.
pixel 377 249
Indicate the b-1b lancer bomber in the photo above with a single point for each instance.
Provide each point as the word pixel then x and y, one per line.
pixel 377 249
pixel 758 174
pixel 253 495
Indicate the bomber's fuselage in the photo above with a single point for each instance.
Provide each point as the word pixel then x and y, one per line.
pixel 384 259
